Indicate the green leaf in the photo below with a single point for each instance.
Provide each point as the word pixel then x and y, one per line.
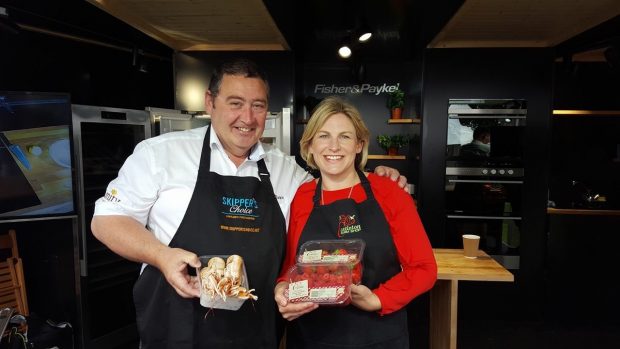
pixel 396 99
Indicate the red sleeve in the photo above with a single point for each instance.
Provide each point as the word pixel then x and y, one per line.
pixel 419 268
pixel 300 211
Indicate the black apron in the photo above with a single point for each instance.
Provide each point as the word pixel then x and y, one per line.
pixel 349 327
pixel 226 215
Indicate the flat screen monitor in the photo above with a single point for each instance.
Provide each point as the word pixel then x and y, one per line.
pixel 36 162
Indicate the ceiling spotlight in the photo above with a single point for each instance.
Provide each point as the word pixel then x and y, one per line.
pixel 363 32
pixel 364 37
pixel 344 51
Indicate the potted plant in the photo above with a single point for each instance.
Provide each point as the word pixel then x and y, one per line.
pixel 396 102
pixel 392 143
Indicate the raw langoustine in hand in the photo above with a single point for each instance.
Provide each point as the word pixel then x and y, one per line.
pixel 225 279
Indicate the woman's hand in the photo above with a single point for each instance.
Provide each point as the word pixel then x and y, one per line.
pixel 291 311
pixel 363 298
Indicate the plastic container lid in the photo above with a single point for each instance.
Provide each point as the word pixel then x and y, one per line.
pixel 212 296
pixel 349 251
pixel 325 284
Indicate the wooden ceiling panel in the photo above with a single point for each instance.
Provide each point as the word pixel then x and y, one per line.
pixel 522 23
pixel 191 25
pixel 188 25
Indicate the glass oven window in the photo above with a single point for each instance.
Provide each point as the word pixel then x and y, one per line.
pixel 105 146
pixel 483 197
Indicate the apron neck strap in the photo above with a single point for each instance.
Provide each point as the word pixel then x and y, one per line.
pixel 263 173
pixel 205 155
pixel 363 180
pixel 205 160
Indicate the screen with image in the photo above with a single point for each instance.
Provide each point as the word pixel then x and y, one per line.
pixel 36 167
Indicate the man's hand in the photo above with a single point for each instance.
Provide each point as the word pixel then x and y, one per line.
pixel 173 264
pixel 128 237
pixel 363 298
pixel 394 175
pixel 291 311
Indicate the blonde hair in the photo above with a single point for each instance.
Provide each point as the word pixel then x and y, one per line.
pixel 323 111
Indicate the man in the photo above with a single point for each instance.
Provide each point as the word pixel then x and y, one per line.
pixel 480 146
pixel 188 188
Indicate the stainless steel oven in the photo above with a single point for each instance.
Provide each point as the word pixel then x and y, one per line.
pixel 485 174
pixel 104 138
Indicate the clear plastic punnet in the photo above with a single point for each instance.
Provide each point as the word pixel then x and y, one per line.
pixel 223 282
pixel 324 283
pixel 331 251
pixel 338 251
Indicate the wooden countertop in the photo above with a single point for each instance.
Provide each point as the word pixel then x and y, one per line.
pixel 452 265
pixel 584 212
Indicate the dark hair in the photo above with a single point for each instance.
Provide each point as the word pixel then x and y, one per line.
pixel 239 66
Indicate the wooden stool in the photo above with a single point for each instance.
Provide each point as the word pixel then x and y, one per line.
pixel 12 284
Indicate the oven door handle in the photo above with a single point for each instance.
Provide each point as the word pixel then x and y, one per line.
pixel 484 217
pixel 483 181
pixel 487 116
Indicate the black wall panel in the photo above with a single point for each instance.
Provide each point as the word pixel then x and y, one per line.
pixel 278 65
pixel 490 73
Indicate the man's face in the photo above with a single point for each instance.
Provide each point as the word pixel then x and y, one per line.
pixel 238 113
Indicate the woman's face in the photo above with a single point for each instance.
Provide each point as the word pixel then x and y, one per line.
pixel 335 145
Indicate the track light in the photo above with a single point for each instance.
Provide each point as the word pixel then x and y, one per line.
pixel 612 56
pixel 138 61
pixel 364 37
pixel 6 24
pixel 363 33
pixel 360 34
pixel 344 51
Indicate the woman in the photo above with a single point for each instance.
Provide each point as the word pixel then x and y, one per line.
pixel 398 260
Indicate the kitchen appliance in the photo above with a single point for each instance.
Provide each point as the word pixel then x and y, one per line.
pixel 169 120
pixel 484 191
pixel 276 132
pixel 104 138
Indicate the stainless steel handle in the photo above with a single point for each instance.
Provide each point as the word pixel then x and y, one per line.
pixel 490 111
pixel 483 181
pixel 487 117
pixel 485 217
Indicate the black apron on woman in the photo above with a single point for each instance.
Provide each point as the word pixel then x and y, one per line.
pixel 350 327
pixel 226 215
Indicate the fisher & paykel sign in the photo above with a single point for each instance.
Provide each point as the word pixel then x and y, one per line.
pixel 363 88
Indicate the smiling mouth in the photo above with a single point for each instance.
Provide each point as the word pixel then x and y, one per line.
pixel 333 157
pixel 245 129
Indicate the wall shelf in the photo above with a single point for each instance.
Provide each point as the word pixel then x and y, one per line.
pixel 586 112
pixel 386 157
pixel 585 212
pixel 404 121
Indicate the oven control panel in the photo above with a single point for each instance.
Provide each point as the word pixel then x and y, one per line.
pixel 485 171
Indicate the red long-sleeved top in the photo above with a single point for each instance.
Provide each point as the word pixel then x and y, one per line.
pixel 412 245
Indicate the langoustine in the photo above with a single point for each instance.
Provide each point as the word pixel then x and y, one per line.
pixel 225 278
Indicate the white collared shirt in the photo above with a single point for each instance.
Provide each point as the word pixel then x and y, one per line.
pixel 156 182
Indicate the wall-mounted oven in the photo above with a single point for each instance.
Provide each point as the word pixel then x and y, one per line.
pixel 485 175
